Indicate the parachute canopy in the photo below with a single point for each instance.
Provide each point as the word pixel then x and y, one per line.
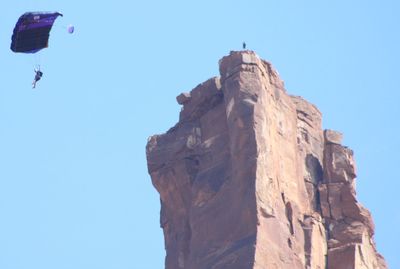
pixel 31 33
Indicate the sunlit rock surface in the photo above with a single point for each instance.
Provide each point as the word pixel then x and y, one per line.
pixel 248 179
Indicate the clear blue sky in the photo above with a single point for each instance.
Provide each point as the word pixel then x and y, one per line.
pixel 74 188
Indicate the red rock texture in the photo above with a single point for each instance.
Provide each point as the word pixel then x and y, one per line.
pixel 248 179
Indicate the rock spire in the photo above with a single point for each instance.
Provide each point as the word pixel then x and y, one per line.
pixel 249 180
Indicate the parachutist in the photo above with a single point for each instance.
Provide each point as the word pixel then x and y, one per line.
pixel 38 76
pixel 31 35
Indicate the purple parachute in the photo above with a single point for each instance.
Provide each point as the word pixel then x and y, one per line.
pixel 31 33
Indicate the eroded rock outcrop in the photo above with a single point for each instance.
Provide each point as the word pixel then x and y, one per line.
pixel 248 179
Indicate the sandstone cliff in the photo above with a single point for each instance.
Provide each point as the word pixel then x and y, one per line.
pixel 248 179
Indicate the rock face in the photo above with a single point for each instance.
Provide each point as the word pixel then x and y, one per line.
pixel 248 179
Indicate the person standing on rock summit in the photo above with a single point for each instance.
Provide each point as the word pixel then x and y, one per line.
pixel 244 45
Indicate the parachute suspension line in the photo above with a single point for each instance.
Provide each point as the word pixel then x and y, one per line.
pixel 37 61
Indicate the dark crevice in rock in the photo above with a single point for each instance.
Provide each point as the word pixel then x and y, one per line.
pixel 318 201
pixel 304 117
pixel 289 241
pixel 314 168
pixel 289 216
pixel 192 164
pixel 315 171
